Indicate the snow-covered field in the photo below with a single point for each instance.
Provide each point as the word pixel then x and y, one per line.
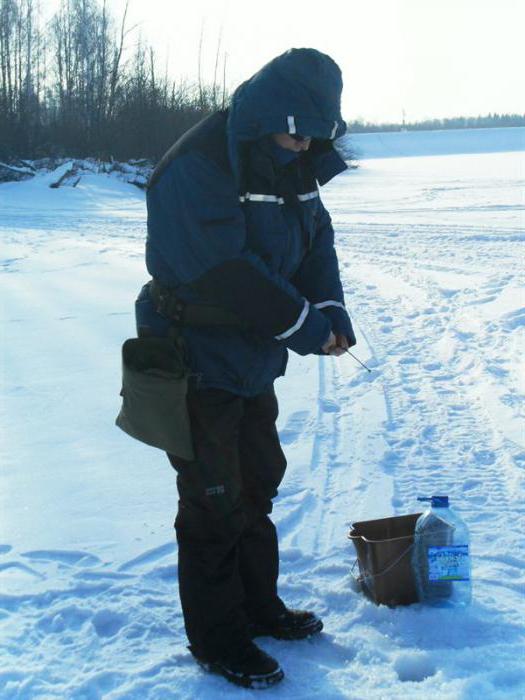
pixel 437 143
pixel 431 252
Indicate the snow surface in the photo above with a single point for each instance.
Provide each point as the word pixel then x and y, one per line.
pixel 439 142
pixel 431 253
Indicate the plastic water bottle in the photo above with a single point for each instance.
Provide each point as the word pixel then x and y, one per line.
pixel 441 557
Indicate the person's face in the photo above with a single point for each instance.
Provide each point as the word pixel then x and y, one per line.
pixel 292 144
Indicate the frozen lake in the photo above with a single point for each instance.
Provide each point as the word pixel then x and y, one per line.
pixel 431 254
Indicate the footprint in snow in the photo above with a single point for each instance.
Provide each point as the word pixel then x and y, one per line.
pixel 390 461
pixel 448 293
pixel 443 377
pixel 484 456
pixel 514 320
pixel 512 399
pixel 329 406
pixel 520 459
pixel 477 500
pixel 69 617
pixel 470 484
pixel 432 366
pixel 429 432
pixel 456 408
pixel 108 622
pixel 294 427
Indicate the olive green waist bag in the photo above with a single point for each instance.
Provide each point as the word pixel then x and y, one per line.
pixel 154 387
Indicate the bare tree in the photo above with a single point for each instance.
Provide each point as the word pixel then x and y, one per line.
pixel 77 87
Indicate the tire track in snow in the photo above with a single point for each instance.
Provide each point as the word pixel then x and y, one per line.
pixel 440 437
pixel 336 484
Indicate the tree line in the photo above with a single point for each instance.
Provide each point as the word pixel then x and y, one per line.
pixel 82 84
pixel 482 122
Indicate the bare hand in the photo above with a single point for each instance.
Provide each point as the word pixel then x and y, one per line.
pixel 335 345
pixel 342 341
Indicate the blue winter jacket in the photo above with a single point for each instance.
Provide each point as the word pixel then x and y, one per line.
pixel 230 225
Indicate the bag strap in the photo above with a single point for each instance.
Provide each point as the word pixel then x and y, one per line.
pixel 183 313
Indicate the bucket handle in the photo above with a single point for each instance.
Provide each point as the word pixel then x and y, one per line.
pixel 367 575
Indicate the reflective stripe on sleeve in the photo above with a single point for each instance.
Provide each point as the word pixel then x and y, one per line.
pixel 324 304
pixel 297 324
pixel 291 125
pixel 334 131
pixel 249 196
pixel 307 196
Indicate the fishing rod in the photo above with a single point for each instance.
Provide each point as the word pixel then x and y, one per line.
pixel 356 358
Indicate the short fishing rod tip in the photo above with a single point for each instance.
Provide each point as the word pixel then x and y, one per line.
pixel 358 360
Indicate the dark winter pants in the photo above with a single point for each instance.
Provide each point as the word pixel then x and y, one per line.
pixel 228 552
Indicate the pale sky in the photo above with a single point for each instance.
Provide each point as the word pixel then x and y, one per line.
pixel 431 58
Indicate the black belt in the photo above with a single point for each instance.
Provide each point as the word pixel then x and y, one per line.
pixel 182 313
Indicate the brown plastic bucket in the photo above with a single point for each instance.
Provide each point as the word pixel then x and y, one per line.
pixel 384 550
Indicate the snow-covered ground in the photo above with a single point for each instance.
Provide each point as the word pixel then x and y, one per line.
pixel 394 144
pixel 431 253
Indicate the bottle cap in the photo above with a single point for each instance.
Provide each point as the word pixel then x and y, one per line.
pixel 436 501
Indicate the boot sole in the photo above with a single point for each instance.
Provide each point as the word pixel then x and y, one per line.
pixel 256 681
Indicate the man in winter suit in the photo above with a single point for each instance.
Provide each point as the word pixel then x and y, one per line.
pixel 236 224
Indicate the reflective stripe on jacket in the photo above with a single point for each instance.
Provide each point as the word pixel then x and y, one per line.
pixel 228 225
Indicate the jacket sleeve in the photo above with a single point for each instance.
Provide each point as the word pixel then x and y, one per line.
pixel 196 226
pixel 319 281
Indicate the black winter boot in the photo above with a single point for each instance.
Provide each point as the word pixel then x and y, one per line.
pixel 248 666
pixel 292 624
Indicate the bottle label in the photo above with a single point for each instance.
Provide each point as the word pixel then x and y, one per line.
pixel 450 563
